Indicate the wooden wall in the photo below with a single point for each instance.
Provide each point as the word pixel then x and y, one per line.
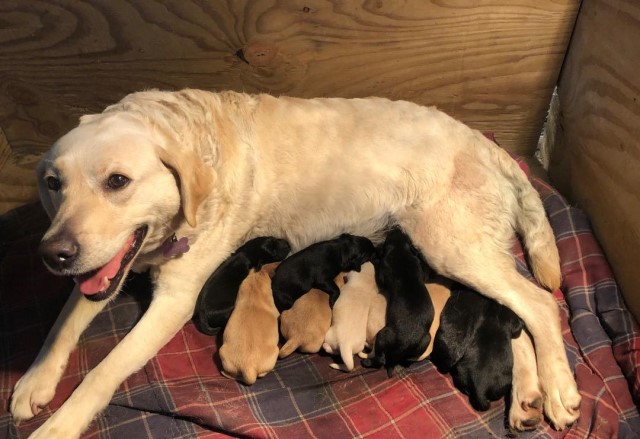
pixel 596 158
pixel 492 63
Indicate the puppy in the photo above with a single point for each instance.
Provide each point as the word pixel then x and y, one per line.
pixel 306 323
pixel 473 343
pixel 439 290
pixel 218 295
pixel 376 318
pixel 401 275
pixel 250 340
pixel 348 332
pixel 317 266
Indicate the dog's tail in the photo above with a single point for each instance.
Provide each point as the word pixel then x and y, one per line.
pixel 249 375
pixel 288 348
pixel 531 222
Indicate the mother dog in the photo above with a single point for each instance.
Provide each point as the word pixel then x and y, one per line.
pixel 216 169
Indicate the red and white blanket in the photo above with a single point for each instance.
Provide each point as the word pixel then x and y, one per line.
pixel 181 394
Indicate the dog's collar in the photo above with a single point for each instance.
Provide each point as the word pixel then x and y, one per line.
pixel 174 247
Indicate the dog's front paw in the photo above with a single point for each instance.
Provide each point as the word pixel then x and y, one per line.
pixel 58 427
pixel 32 392
pixel 561 398
pixel 525 412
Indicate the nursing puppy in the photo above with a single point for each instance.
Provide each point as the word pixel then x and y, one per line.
pixel 439 290
pixel 305 324
pixel 473 343
pixel 348 332
pixel 218 295
pixel 376 318
pixel 401 274
pixel 250 340
pixel 317 266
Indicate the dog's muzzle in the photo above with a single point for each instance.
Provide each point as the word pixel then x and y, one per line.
pixel 59 252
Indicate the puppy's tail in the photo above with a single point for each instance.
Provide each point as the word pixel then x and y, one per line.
pixel 249 375
pixel 288 348
pixel 531 222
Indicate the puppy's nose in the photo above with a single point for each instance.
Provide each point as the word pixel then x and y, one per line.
pixel 59 251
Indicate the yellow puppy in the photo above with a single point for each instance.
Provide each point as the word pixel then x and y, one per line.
pixel 250 340
pixel 307 321
pixel 348 332
pixel 439 289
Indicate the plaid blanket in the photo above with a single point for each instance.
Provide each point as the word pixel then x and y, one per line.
pixel 181 394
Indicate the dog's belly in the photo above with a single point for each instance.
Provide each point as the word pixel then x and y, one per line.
pixel 303 230
pixel 334 166
pixel 358 200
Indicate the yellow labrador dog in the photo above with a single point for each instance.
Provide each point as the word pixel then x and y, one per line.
pixel 162 172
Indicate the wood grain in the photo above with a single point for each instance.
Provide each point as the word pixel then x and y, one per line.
pixel 492 63
pixel 596 159
pixel 17 179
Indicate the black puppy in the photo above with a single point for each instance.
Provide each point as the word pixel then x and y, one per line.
pixel 218 296
pixel 401 273
pixel 473 343
pixel 317 266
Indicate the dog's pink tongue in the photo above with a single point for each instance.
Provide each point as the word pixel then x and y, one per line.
pixel 94 282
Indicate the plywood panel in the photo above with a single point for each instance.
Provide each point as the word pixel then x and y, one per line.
pixel 596 161
pixel 17 179
pixel 492 63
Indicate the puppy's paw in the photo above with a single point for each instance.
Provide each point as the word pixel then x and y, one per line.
pixel 341 367
pixel 561 397
pixel 32 392
pixel 363 355
pixel 525 412
pixel 327 348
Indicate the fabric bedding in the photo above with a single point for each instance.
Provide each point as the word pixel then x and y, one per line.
pixel 181 394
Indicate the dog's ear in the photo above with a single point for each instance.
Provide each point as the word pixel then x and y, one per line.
pixel 45 195
pixel 86 118
pixel 271 268
pixel 454 334
pixel 195 179
pixel 516 325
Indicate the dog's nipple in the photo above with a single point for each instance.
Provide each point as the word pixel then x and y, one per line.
pixel 104 283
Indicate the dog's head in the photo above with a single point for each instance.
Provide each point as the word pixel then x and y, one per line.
pixel 113 187
pixel 398 256
pixel 264 250
pixel 356 250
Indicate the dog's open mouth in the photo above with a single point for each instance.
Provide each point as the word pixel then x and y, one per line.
pixel 101 283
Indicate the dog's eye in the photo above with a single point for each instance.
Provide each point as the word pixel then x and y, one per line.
pixel 117 181
pixel 53 183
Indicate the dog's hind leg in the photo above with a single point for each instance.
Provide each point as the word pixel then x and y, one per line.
pixel 525 412
pixel 473 257
pixel 37 386
pixel 331 288
pixel 288 348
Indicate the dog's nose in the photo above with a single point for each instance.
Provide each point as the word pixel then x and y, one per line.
pixel 59 251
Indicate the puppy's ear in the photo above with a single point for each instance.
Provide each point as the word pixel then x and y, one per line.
pixel 516 325
pixel 271 268
pixel 195 179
